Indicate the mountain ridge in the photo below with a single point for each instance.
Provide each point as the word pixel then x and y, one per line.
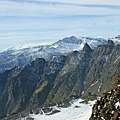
pixel 24 54
pixel 59 80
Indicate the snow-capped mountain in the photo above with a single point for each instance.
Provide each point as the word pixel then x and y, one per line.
pixel 116 39
pixel 24 54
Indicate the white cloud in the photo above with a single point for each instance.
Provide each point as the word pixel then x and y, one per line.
pixel 50 6
pixel 106 2
pixel 34 20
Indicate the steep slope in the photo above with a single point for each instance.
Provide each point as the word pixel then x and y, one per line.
pixel 19 86
pixel 103 66
pixel 70 80
pixel 25 54
pixel 108 107
pixel 35 79
pixel 44 82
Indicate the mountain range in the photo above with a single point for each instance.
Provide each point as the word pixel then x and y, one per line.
pixel 24 54
pixel 44 76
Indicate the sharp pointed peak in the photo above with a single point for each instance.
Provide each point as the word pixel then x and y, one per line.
pixel 87 47
pixel 110 42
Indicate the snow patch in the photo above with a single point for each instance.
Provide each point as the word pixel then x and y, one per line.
pixel 117 104
pixel 94 83
pixel 116 41
pixel 77 111
pixel 117 59
pixel 119 85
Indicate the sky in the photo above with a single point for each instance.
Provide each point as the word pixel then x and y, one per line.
pixel 43 21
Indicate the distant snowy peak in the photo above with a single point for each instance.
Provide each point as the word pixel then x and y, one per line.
pixel 75 43
pixel 72 39
pixel 67 44
pixel 116 39
pixel 80 40
pixel 24 54
pixel 27 46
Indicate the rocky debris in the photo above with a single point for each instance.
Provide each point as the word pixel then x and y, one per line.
pixel 53 112
pixel 108 106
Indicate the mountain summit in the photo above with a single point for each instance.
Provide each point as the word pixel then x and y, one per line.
pixel 87 48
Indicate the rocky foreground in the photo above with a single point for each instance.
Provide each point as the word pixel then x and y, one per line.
pixel 108 106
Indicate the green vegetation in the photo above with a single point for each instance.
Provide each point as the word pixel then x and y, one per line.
pixel 41 87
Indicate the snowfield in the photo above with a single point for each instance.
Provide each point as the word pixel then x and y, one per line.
pixel 77 111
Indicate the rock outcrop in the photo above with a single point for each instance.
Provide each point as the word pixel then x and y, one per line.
pixel 104 63
pixel 108 106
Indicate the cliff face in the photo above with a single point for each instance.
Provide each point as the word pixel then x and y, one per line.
pixel 85 74
pixel 104 64
pixel 19 86
pixel 69 82
pixel 108 106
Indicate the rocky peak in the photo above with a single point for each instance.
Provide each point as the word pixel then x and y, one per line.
pixel 72 39
pixel 110 42
pixel 118 37
pixel 87 48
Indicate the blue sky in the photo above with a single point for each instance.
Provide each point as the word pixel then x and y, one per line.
pixel 38 21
